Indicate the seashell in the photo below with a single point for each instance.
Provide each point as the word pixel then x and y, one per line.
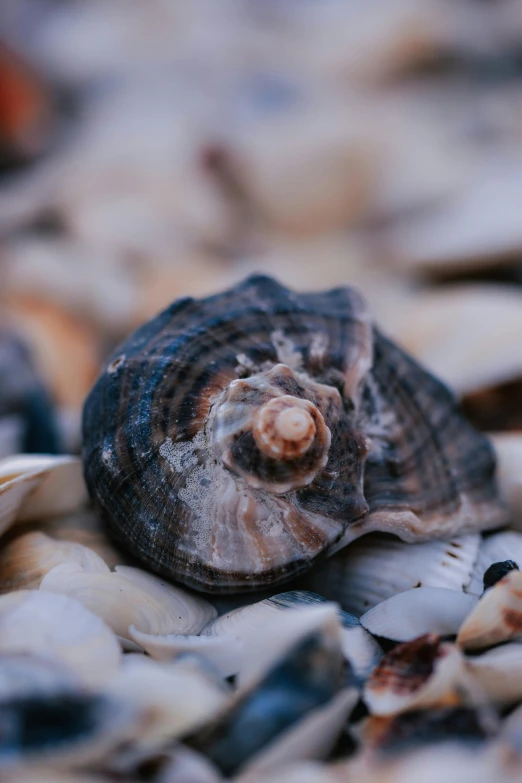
pixel 377 567
pixel 404 731
pixel 279 444
pixel 476 229
pixel 74 730
pixel 35 487
pixel 35 622
pixel 498 673
pixel 497 617
pixel 26 559
pixel 223 652
pixel 274 696
pixel 415 612
pixel 508 448
pixel 313 737
pixel 177 698
pixel 24 676
pixel 65 348
pixel 185 765
pixel 131 598
pixel 11 435
pixel 497 548
pixel 28 420
pixel 422 673
pixel 359 647
pixel 466 334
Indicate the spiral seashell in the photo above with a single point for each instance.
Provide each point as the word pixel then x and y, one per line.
pixel 232 441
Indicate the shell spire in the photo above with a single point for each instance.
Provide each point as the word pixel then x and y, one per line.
pixel 232 441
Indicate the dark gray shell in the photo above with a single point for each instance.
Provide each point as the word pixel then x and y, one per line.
pixel 176 467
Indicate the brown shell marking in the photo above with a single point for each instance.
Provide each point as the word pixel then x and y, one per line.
pixel 232 441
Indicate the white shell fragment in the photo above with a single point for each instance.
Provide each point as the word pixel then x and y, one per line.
pixel 131 597
pixel 35 487
pixel 496 548
pixel 497 617
pixel 508 447
pixel 498 673
pixel 177 697
pixel 376 567
pixel 249 622
pixel 23 675
pixel 223 652
pixel 29 557
pixel 466 335
pixel 33 621
pixel 421 673
pixel 416 612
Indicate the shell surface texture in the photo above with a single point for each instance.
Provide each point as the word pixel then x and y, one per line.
pixel 232 441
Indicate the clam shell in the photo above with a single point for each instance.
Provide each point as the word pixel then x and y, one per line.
pixel 359 647
pixel 498 673
pixel 416 612
pixel 420 673
pixel 494 549
pixel 74 730
pixel 23 675
pixel 35 487
pixel 223 652
pixel 131 597
pixel 40 623
pixel 497 617
pixel 466 334
pixel 508 448
pixel 313 737
pixel 273 698
pixel 26 559
pixel 223 509
pixel 375 568
pixel 177 698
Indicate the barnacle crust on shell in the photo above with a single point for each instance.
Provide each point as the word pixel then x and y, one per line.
pixel 234 440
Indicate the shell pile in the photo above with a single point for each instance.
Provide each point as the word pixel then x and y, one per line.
pixel 272 534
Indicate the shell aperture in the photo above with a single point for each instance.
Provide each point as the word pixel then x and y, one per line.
pixel 234 440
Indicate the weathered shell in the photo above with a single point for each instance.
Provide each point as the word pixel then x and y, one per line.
pixel 231 441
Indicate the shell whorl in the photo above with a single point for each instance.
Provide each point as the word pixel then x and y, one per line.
pixel 274 440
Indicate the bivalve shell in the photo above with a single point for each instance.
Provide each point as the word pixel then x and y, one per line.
pixel 497 617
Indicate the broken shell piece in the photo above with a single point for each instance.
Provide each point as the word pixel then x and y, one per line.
pixel 74 730
pixel 26 559
pixel 177 697
pixel 312 738
pixel 508 448
pixel 498 673
pixel 405 731
pixel 23 675
pixel 416 612
pixel 274 698
pixel 274 622
pixel 497 617
pixel 496 548
pixel 466 334
pixel 35 487
pixel 420 673
pixel 498 571
pixel 359 647
pixel 131 597
pixel 187 766
pixel 224 652
pixel 33 621
pixel 377 567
